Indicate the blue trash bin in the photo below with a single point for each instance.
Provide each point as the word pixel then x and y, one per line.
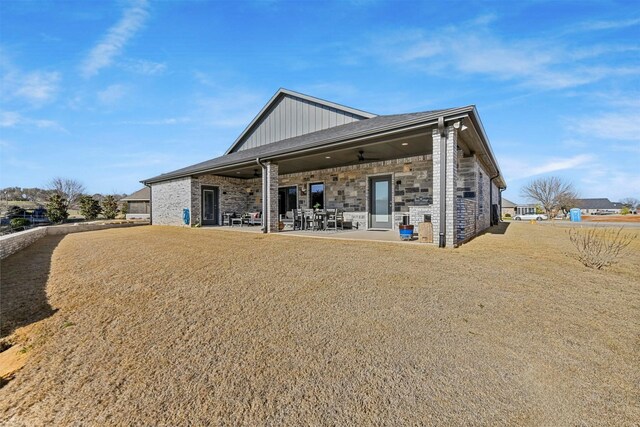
pixel 185 216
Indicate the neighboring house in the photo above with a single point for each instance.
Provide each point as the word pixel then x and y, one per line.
pixel 598 206
pixel 507 207
pixel 300 151
pixel 138 204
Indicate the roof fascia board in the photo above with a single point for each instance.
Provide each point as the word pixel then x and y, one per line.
pixel 283 91
pixel 430 120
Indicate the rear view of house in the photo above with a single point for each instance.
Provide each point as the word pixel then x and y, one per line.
pixel 304 152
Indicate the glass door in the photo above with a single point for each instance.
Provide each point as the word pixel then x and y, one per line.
pixel 210 206
pixel 380 202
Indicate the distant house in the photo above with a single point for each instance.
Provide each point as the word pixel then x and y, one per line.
pixel 301 153
pixel 598 206
pixel 508 208
pixel 138 206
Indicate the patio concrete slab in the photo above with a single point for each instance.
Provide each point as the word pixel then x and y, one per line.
pixel 368 235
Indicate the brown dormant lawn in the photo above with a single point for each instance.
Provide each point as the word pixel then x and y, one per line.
pixel 170 326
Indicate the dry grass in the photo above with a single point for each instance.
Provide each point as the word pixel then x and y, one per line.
pixel 611 218
pixel 167 326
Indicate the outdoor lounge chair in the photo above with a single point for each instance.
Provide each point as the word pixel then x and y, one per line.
pixel 255 218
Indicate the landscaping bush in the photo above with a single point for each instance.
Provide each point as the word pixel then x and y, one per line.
pixel 507 215
pixel 89 207
pixel 19 223
pixel 599 247
pixel 57 209
pixel 124 209
pixel 110 207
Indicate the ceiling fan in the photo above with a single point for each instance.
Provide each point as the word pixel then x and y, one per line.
pixel 361 157
pixel 255 173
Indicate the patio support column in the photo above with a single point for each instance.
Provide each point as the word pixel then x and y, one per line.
pixel 270 197
pixel 445 176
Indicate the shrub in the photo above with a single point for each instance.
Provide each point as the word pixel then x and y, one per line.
pixel 57 209
pixel 507 215
pixel 89 207
pixel 625 210
pixel 110 207
pixel 17 223
pixel 124 209
pixel 599 247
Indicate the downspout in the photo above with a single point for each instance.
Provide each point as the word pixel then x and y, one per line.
pixel 443 183
pixel 265 208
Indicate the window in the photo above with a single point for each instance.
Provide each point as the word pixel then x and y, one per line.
pixel 316 195
pixel 287 199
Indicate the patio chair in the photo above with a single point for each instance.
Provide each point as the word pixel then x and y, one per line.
pixel 255 218
pixel 307 218
pixel 335 219
pixel 297 219
pixel 288 219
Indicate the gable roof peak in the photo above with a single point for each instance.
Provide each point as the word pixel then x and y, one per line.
pixel 282 93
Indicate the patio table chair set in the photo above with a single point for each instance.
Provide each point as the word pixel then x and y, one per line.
pixel 315 220
pixel 250 218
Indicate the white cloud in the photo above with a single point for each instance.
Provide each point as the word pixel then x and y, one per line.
pixel 147 68
pixel 112 94
pixel 159 122
pixel 103 54
pixel 606 25
pixel 11 119
pixel 623 126
pixel 36 88
pixel 516 168
pixel 472 48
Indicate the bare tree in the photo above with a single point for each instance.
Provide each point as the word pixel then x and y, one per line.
pixel 70 189
pixel 552 193
pixel 631 202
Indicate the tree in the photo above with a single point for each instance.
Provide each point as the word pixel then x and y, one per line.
pixel 631 202
pixel 89 207
pixel 69 189
pixel 124 209
pixel 552 193
pixel 57 209
pixel 110 207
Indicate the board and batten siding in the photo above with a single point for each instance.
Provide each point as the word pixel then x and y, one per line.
pixel 293 116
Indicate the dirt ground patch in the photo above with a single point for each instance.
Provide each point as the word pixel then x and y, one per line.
pixel 168 326
pixel 611 218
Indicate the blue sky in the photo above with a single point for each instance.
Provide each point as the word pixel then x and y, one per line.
pixel 110 93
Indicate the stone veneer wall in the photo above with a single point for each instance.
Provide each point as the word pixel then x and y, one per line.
pixel 473 188
pixel 12 243
pixel 168 199
pixel 347 187
pixel 234 195
pixel 466 226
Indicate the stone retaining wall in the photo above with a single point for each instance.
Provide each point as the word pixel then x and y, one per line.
pixel 12 243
